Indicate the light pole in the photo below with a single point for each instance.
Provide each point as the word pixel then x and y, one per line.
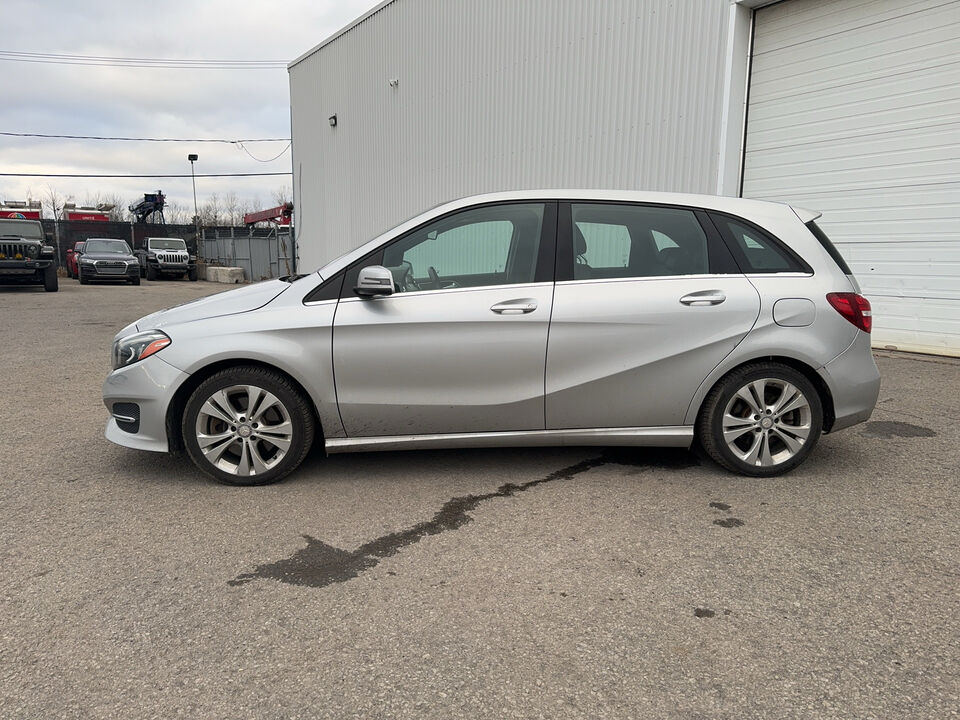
pixel 193 157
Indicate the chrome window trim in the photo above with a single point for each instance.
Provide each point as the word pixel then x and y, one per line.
pixel 312 303
pixel 702 276
pixel 642 278
pixel 790 274
pixel 445 291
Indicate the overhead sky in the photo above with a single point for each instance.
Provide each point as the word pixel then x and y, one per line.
pixel 153 102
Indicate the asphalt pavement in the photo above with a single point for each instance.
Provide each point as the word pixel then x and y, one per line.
pixel 531 583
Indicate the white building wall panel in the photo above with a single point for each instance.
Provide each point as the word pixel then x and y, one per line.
pixel 499 94
pixel 855 111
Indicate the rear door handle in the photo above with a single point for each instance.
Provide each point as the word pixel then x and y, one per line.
pixel 704 297
pixel 515 307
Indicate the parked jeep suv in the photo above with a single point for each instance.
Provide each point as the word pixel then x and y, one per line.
pixel 25 258
pixel 578 317
pixel 166 257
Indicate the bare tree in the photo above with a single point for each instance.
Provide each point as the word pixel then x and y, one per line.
pixel 53 201
pixel 176 214
pixel 282 195
pixel 231 208
pixel 211 212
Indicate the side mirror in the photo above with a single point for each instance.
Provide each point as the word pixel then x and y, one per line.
pixel 374 280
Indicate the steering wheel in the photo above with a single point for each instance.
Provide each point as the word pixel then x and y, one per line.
pixel 408 282
pixel 434 278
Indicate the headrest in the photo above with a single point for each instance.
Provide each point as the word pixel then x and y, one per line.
pixel 579 242
pixel 672 257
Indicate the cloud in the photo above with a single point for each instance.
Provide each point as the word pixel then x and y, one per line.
pixel 91 100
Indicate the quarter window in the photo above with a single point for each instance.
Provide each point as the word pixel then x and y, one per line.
pixel 628 241
pixel 756 251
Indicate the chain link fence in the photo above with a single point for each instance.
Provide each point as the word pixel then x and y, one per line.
pixel 262 252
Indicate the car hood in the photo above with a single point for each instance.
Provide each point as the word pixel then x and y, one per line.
pixel 121 257
pixel 231 302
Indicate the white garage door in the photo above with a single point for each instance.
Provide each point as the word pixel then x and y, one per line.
pixel 855 111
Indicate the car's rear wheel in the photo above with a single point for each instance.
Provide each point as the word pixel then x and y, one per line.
pixel 247 426
pixel 763 419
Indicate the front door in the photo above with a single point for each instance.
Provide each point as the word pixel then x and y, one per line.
pixel 647 304
pixel 460 345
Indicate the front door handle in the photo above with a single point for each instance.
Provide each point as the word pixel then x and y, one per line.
pixel 704 297
pixel 515 307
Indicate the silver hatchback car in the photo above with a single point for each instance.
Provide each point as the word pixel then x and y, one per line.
pixel 522 318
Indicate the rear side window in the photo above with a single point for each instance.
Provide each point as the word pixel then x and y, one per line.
pixel 633 241
pixel 829 247
pixel 756 251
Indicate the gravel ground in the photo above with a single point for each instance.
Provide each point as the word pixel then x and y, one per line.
pixel 548 583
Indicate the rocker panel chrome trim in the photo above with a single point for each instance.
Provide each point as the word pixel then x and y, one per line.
pixel 669 436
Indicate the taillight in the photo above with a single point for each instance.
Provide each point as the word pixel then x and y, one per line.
pixel 854 307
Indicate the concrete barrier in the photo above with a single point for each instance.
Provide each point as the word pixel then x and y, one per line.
pixel 229 275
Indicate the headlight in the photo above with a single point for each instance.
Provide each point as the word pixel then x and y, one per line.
pixel 135 348
pixel 85 261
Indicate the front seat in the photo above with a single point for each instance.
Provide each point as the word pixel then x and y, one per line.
pixel 581 270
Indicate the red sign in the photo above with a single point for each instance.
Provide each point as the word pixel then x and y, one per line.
pixel 20 214
pixel 87 215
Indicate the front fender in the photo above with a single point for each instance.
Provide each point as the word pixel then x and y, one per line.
pixel 297 342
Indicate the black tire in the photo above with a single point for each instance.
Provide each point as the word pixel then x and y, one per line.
pixel 50 281
pixel 151 273
pixel 135 280
pixel 192 274
pixel 710 420
pixel 297 406
pixel 81 278
pixel 69 273
pixel 143 271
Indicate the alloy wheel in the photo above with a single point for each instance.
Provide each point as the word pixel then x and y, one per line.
pixel 767 422
pixel 244 430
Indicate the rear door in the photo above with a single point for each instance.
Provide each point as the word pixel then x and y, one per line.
pixel 461 344
pixel 648 301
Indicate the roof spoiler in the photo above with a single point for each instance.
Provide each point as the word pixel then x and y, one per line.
pixel 806 215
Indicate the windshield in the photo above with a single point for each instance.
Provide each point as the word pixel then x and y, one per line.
pixel 107 246
pixel 20 228
pixel 167 244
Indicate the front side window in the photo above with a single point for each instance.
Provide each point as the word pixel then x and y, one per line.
pixel 630 241
pixel 495 245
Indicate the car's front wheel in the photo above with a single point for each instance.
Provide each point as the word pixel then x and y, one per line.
pixel 247 426
pixel 762 420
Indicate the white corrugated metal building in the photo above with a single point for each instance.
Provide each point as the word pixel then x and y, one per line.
pixel 851 107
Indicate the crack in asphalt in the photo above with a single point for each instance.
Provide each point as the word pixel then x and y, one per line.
pixel 319 564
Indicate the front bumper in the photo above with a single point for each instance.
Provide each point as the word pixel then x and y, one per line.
pixel 171 268
pixel 23 270
pixel 150 384
pixel 94 272
pixel 854 382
